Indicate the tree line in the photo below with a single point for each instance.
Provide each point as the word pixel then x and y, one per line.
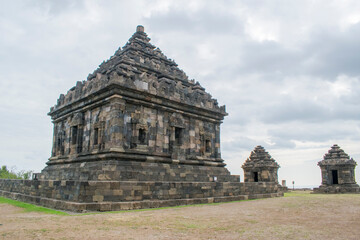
pixel 5 173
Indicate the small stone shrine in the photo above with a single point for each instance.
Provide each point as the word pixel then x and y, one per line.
pixel 260 167
pixel 137 134
pixel 337 173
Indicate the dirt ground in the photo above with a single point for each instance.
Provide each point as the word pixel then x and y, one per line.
pixel 296 216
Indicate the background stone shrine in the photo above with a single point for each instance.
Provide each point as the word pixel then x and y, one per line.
pixel 137 134
pixel 260 167
pixel 337 173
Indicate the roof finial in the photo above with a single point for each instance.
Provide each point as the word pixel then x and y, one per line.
pixel 140 28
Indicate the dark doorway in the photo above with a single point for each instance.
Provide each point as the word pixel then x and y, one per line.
pixel 334 177
pixel 208 146
pixel 178 136
pixel 80 140
pixel 256 177
pixel 74 135
pixel 96 136
pixel 142 136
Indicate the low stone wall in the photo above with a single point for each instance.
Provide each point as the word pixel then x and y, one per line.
pixel 338 188
pixel 117 195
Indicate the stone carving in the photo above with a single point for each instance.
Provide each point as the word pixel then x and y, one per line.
pixel 260 167
pixel 145 68
pixel 337 172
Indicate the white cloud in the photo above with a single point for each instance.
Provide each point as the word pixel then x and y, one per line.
pixel 261 30
pixel 343 85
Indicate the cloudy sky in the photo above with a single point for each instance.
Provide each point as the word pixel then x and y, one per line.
pixel 287 71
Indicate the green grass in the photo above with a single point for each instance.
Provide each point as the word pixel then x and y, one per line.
pixel 30 207
pixel 298 194
pixel 251 221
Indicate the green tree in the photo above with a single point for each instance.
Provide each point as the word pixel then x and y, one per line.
pixel 9 174
pixel 5 173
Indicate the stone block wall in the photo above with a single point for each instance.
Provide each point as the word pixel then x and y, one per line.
pixel 343 188
pixel 136 171
pixel 264 174
pixel 90 195
pixel 346 174
pixel 121 126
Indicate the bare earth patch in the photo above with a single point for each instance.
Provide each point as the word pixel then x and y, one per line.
pixel 296 216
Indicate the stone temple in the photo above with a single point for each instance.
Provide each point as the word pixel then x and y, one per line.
pixel 260 167
pixel 337 172
pixel 136 134
pixel 137 111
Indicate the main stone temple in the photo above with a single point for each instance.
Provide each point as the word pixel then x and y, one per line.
pixel 137 111
pixel 137 134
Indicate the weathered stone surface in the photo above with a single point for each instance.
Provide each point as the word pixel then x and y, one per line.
pixel 121 170
pixel 260 167
pixel 104 196
pixel 337 173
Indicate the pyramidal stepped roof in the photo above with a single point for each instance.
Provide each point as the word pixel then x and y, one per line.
pixel 141 66
pixel 260 158
pixel 336 156
pixel 139 50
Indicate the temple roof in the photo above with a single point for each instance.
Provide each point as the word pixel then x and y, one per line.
pixel 336 156
pixel 139 51
pixel 141 66
pixel 260 158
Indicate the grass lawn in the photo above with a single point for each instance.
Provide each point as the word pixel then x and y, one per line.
pixel 298 215
pixel 27 207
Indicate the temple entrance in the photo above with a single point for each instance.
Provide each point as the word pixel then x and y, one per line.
pixel 334 177
pixel 178 136
pixel 142 136
pixel 256 177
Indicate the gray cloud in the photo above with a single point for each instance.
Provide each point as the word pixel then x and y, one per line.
pixel 207 22
pixel 335 52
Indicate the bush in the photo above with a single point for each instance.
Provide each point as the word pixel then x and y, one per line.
pixel 11 174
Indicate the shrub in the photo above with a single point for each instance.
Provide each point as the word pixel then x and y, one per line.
pixel 11 174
